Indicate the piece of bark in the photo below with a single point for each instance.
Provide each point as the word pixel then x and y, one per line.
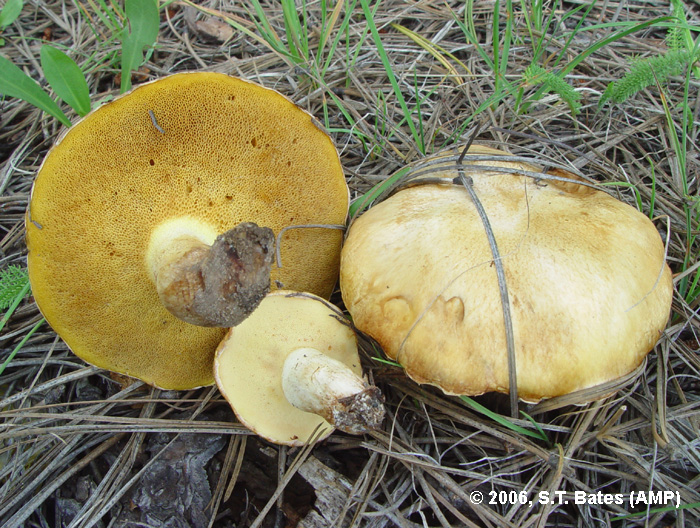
pixel 175 491
pixel 332 491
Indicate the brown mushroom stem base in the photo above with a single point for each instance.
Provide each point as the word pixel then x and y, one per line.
pixel 315 383
pixel 212 285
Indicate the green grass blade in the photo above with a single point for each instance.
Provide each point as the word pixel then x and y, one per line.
pixel 339 33
pixel 419 114
pixel 629 29
pixel 387 361
pixel 140 32
pixel 15 83
pixel 535 425
pixel 10 12
pixel 344 25
pixel 20 345
pixel 503 420
pixel 654 511
pixel 14 304
pixel 501 49
pixel 627 185
pixel 66 79
pixel 389 71
pixel 266 29
pixel 297 42
pixel 572 34
pixel 366 199
pixel 470 33
pixel 609 40
pixel 267 36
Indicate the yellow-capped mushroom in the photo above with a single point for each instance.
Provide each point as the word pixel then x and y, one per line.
pixel 589 292
pixel 291 371
pixel 132 214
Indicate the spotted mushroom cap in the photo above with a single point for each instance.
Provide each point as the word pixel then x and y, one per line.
pixel 589 289
pixel 207 149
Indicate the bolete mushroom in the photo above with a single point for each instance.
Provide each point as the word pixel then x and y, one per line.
pixel 130 227
pixel 291 371
pixel 589 291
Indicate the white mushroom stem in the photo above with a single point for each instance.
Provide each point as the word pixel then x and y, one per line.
pixel 211 285
pixel 316 383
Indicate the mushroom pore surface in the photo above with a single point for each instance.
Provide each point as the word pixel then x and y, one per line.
pixel 225 151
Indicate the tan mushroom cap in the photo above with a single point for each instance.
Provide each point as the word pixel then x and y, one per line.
pixel 249 363
pixel 589 290
pixel 230 151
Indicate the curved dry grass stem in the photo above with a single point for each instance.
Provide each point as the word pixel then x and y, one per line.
pixel 502 284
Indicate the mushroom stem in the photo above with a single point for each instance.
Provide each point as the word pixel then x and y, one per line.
pixel 316 383
pixel 211 285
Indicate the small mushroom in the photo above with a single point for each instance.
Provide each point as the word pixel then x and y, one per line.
pixel 291 371
pixel 131 227
pixel 588 289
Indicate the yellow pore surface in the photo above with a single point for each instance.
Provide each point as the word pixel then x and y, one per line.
pixel 231 151
pixel 249 363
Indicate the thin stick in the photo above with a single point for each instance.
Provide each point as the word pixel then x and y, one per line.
pixel 281 467
pixel 293 468
pixel 468 184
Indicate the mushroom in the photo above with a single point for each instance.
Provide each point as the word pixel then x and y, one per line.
pixel 131 223
pixel 588 289
pixel 291 372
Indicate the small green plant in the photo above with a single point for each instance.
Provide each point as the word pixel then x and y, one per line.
pixel 67 80
pixel 14 288
pixel 541 30
pixel 536 75
pixel 8 14
pixel 683 51
pixel 647 72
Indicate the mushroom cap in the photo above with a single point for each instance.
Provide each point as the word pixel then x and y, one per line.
pixel 589 289
pixel 249 362
pixel 231 152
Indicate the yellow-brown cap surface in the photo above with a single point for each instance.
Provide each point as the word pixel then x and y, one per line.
pixel 589 290
pixel 229 151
